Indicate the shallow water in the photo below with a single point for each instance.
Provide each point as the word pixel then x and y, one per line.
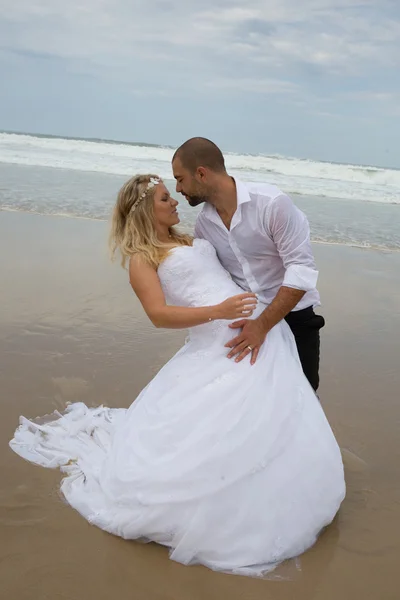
pixel 91 195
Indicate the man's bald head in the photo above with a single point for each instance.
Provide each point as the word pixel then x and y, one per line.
pixel 200 152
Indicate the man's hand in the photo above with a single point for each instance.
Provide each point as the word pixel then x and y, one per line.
pixel 249 340
pixel 255 331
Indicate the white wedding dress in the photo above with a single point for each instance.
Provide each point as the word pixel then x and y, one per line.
pixel 230 465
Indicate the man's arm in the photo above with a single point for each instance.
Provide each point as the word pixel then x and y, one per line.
pixel 290 231
pixel 284 302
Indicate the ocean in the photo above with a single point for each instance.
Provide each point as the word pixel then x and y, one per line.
pixel 345 204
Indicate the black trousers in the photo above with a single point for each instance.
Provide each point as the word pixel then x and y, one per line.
pixel 305 325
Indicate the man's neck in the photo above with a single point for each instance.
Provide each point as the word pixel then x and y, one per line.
pixel 224 198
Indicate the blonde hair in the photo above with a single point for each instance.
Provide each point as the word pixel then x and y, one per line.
pixel 132 226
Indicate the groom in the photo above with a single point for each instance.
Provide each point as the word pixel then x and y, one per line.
pixel 263 241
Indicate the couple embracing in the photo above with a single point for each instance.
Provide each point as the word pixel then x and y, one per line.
pixel 226 457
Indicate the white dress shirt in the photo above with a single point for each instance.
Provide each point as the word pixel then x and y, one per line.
pixel 268 244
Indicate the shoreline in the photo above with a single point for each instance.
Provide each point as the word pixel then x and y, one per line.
pixel 377 248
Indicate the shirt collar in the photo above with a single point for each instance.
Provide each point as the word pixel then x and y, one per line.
pixel 242 195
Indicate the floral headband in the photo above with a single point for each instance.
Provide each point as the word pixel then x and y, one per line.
pixel 152 183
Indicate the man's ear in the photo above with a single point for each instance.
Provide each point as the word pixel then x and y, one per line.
pixel 201 172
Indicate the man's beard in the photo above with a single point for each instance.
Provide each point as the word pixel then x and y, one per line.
pixel 196 200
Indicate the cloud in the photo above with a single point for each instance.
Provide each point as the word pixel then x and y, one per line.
pixel 349 35
pixel 375 102
pixel 247 85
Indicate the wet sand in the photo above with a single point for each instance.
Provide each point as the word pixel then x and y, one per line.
pixel 71 330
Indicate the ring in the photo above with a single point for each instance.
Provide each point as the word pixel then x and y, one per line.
pixel 250 348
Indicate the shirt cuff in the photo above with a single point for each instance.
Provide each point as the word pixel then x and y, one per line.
pixel 300 277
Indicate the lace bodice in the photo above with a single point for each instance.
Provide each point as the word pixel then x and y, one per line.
pixel 193 276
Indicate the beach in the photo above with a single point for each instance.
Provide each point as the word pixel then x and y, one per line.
pixel 72 330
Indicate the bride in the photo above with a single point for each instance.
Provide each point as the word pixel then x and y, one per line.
pixel 230 465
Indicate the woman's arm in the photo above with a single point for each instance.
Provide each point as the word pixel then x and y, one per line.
pixel 147 287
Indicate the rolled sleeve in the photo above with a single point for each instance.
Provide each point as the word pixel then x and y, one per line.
pixel 300 278
pixel 290 231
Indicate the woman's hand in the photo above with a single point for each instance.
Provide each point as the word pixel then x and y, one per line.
pixel 237 307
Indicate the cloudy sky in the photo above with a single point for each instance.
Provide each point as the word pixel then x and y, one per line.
pixel 310 78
